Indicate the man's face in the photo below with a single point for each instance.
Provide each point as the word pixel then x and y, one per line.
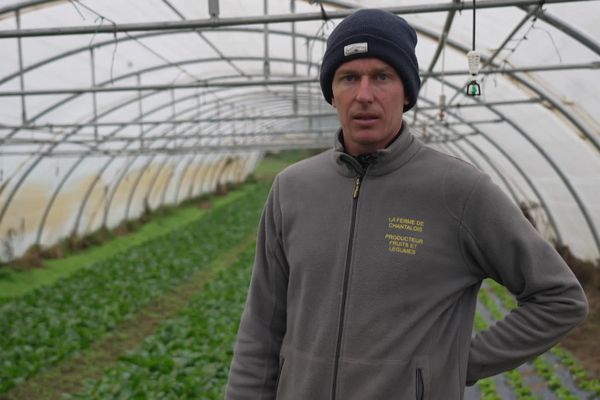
pixel 369 99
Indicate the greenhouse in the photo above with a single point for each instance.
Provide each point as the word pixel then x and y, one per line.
pixel 139 141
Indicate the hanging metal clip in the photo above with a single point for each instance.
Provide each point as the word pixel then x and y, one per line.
pixel 474 58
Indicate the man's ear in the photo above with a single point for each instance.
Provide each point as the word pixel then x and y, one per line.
pixel 406 101
pixel 333 102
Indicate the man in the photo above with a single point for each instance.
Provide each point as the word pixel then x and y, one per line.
pixel 370 255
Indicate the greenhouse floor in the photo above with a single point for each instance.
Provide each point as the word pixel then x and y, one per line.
pixel 157 319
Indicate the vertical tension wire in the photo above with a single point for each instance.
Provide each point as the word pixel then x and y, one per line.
pixel 474 59
pixel 474 24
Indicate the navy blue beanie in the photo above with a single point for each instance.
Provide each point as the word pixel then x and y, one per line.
pixel 373 33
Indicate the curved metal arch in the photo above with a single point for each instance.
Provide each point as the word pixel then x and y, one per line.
pixel 558 106
pixel 559 109
pixel 49 206
pixel 127 167
pixel 132 193
pixel 511 189
pixel 143 171
pixel 182 177
pixel 468 156
pixel 26 4
pixel 133 190
pixel 189 169
pixel 151 93
pixel 59 187
pixel 515 126
pixel 442 42
pixel 158 173
pixel 529 182
pixel 163 195
pixel 484 156
pixel 93 184
pixel 207 173
pixel 557 235
pixel 463 154
pixel 210 182
pixel 167 180
pixel 496 169
pixel 230 171
pixel 185 171
pixel 144 35
pixel 218 177
pixel 572 32
pixel 492 166
pixel 194 180
pixel 553 166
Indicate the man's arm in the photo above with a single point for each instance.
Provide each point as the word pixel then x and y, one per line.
pixel 255 365
pixel 500 243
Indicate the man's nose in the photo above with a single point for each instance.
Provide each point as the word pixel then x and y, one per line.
pixel 365 90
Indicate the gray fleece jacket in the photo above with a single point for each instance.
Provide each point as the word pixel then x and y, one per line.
pixel 365 281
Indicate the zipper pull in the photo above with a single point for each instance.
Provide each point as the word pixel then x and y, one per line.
pixel 356 191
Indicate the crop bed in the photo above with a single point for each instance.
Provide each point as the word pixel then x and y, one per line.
pixel 189 357
pixel 53 322
pixel 554 375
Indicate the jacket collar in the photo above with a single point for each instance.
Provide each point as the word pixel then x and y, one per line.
pixel 386 160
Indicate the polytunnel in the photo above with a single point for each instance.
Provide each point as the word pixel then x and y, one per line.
pixel 109 109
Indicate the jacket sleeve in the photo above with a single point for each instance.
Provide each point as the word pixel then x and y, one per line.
pixel 500 243
pixel 255 365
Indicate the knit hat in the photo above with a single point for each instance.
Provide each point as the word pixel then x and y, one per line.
pixel 373 33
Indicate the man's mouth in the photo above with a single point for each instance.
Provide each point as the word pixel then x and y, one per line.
pixel 365 116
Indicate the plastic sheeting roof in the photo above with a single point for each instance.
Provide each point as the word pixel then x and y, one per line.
pixel 110 108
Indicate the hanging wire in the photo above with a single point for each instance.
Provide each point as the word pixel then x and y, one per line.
pixel 154 52
pixel 442 113
pixel 525 37
pixel 320 33
pixel 324 15
pixel 474 59
pixel 77 9
pixel 474 22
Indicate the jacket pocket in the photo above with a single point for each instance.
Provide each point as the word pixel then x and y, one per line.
pixel 422 378
pixel 420 388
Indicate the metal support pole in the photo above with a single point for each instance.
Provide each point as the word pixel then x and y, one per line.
pixel 192 85
pixel 218 113
pixel 174 114
pixel 233 126
pixel 94 94
pixel 309 87
pixel 294 60
pixel 141 110
pixel 266 64
pixel 212 23
pixel 21 76
pixel 213 8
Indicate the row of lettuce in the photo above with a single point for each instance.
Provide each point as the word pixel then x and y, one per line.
pixel 189 356
pixel 53 322
pixel 562 377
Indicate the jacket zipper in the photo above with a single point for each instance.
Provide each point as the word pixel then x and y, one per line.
pixel 279 374
pixel 355 194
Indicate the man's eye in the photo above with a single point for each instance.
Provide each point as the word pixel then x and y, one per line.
pixel 348 78
pixel 383 77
